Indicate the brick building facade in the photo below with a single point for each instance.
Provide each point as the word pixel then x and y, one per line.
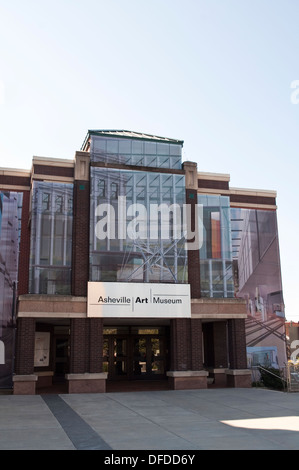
pixel 57 340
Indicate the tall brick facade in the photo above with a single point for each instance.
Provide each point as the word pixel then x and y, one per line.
pixel 210 341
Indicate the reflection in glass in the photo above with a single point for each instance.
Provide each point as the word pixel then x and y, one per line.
pixel 136 152
pixel 139 361
pixel 257 279
pixel 119 354
pixel 257 262
pixel 136 243
pixel 157 362
pixel 216 275
pixel 10 227
pixel 51 238
pixel 105 354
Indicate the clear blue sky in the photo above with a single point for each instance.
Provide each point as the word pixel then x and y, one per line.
pixel 214 73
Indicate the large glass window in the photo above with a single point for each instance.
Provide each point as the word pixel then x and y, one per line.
pixel 257 262
pixel 216 272
pixel 51 238
pixel 134 235
pixel 257 280
pixel 136 152
pixel 10 226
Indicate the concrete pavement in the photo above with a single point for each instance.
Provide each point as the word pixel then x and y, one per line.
pixel 214 419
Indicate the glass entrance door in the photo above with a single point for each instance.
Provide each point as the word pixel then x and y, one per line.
pixel 115 358
pixel 148 357
pixel 140 354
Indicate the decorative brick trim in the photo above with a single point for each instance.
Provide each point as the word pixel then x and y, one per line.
pixel 53 170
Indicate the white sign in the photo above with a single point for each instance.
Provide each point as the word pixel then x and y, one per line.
pixel 132 300
pixel 42 349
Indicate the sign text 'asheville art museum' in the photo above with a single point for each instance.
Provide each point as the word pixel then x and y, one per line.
pixel 127 300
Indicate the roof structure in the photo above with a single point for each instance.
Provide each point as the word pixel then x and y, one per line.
pixel 129 135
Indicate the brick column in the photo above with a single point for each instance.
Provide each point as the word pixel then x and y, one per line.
pixel 24 379
pixel 186 355
pixel 196 344
pixel 79 346
pixel 180 344
pixel 95 345
pixel 80 244
pixel 237 375
pixel 237 344
pixel 193 254
pixel 86 362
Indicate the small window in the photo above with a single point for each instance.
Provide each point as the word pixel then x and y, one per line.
pixel 70 205
pixel 101 188
pixel 59 204
pixel 46 201
pixel 114 191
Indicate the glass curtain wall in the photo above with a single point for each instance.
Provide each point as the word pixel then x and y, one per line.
pixel 136 247
pixel 51 238
pixel 216 273
pixel 257 279
pixel 240 258
pixel 257 262
pixel 10 222
pixel 136 152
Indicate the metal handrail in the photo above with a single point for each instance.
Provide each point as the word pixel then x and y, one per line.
pixel 284 381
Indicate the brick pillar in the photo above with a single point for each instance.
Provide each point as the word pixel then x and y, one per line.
pixel 237 375
pixel 193 254
pixel 180 344
pixel 24 378
pixel 196 344
pixel 25 346
pixel 86 361
pixel 95 345
pixel 80 244
pixel 186 355
pixel 237 344
pixel 79 346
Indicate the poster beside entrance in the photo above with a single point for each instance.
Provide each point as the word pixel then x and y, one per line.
pixel 136 300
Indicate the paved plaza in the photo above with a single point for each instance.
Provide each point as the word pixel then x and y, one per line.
pixel 167 420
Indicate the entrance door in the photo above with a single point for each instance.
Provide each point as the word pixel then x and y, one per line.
pixel 115 357
pixel 135 356
pixel 148 357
